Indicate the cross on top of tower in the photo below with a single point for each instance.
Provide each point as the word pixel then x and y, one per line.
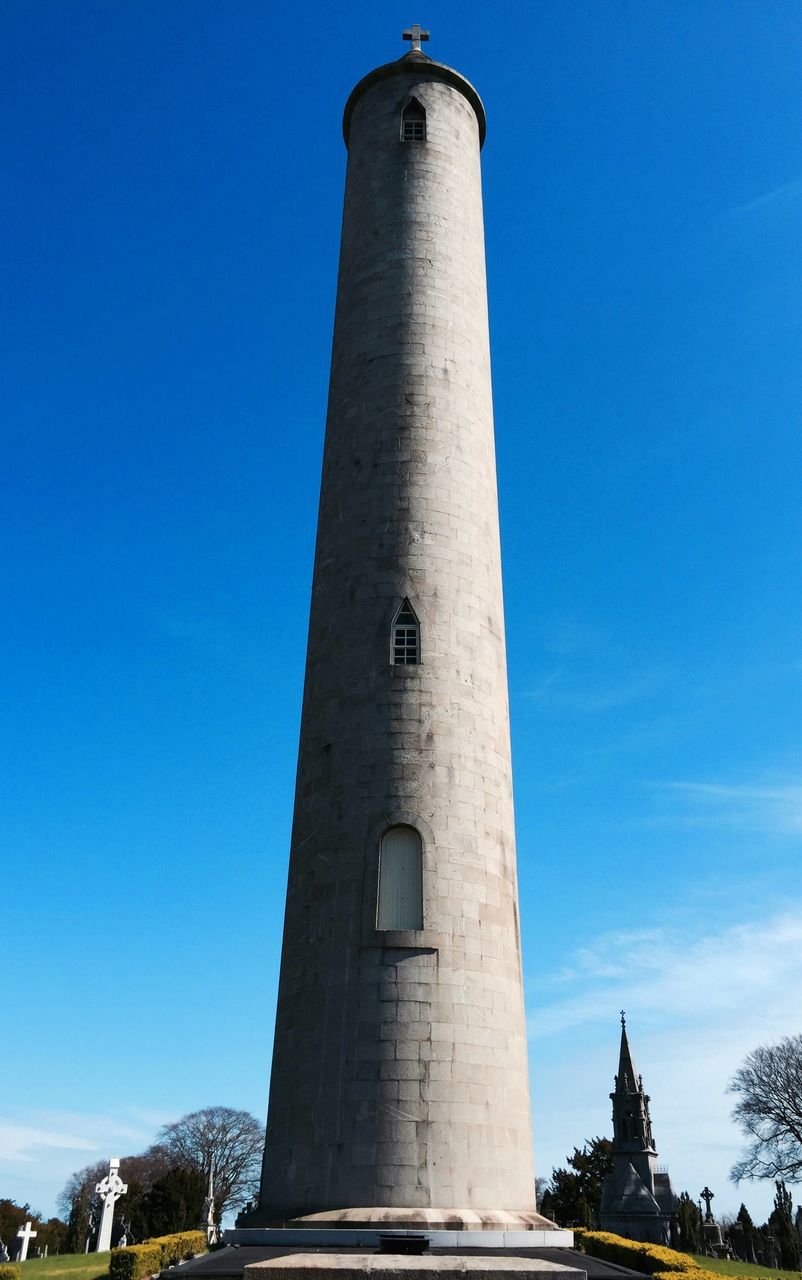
pixel 623 1018
pixel 414 35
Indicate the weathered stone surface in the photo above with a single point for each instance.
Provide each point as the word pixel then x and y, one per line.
pixel 429 1219
pixel 350 1266
pixel 400 1067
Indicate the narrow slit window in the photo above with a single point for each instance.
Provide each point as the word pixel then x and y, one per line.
pixel 413 122
pixel 406 637
pixel 400 899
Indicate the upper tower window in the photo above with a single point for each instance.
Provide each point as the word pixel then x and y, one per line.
pixel 413 122
pixel 406 637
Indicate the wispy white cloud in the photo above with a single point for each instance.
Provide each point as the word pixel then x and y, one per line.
pixel 567 637
pixel 774 809
pixel 36 1137
pixel 784 192
pixel 25 1142
pixel 665 973
pixel 567 692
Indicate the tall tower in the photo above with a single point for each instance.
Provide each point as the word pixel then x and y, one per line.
pixel 399 1077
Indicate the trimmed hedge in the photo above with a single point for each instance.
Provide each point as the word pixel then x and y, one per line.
pixel 137 1261
pixel 181 1246
pixel 10 1271
pixel 658 1261
pixel 699 1274
pixel 637 1254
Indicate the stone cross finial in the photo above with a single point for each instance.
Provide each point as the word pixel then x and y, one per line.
pixel 623 1018
pixel 415 35
pixel 24 1235
pixel 707 1196
pixel 110 1190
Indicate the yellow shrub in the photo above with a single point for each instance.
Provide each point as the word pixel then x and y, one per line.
pixel 184 1244
pixel 10 1271
pixel 135 1262
pixel 140 1260
pixel 655 1259
pixel 699 1274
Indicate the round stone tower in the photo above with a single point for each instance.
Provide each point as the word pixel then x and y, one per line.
pixel 399 1078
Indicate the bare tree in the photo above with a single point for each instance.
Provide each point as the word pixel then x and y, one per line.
pixel 541 1187
pixel 768 1085
pixel 83 1181
pixel 142 1170
pixel 226 1140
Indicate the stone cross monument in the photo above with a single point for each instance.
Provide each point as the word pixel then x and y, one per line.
pixel 24 1235
pixel 109 1190
pixel 208 1224
pixel 399 1089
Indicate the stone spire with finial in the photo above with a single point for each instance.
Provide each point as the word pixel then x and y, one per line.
pixel 637 1200
pixel 627 1078
pixel 632 1125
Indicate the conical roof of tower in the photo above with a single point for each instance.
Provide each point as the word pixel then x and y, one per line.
pixel 624 1191
pixel 416 61
pixel 627 1077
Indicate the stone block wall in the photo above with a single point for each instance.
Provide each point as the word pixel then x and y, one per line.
pixel 400 1066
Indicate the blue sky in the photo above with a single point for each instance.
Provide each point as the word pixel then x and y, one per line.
pixel 171 225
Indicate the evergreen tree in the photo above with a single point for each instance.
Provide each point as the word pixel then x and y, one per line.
pixel 752 1237
pixel 173 1203
pixel 689 1224
pixel 51 1233
pixel 781 1222
pixel 12 1216
pixel 83 1220
pixel 574 1196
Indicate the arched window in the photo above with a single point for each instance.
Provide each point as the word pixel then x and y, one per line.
pixel 406 637
pixel 413 122
pixel 400 900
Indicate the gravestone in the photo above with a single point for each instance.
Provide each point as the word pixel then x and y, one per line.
pixel 770 1255
pixel 737 1239
pixel 109 1190
pixel 24 1235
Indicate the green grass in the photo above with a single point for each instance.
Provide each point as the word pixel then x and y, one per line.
pixel 70 1266
pixel 727 1268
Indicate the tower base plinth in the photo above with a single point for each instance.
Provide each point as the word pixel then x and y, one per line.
pixel 382 1217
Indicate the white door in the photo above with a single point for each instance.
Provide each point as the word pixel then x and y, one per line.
pixel 400 880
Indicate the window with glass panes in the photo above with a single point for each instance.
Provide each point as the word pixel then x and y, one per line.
pixel 406 637
pixel 413 123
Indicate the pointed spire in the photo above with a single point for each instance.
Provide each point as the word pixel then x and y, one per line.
pixel 627 1078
